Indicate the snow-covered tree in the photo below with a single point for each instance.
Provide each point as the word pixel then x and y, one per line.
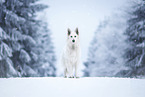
pixel 6 65
pixel 136 38
pixel 18 21
pixel 46 65
pixel 106 52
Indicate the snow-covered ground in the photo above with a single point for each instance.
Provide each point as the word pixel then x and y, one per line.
pixel 66 87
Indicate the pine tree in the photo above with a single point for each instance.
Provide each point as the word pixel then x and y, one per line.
pixel 136 39
pixel 18 21
pixel 105 57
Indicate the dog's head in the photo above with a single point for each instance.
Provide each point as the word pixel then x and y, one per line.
pixel 73 37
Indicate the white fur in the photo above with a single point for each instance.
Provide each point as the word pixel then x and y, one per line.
pixel 71 55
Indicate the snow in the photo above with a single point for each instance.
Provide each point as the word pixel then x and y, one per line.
pixel 67 87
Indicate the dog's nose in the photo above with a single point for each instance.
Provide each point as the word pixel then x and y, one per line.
pixel 73 40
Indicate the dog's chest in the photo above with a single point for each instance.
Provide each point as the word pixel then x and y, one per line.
pixel 72 55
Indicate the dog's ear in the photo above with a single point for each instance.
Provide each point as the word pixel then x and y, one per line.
pixel 77 31
pixel 68 33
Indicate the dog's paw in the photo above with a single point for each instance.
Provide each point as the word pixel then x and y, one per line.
pixel 71 77
pixel 77 77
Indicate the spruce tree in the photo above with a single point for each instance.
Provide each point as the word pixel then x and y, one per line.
pixel 136 38
pixel 6 65
pixel 106 52
pixel 18 21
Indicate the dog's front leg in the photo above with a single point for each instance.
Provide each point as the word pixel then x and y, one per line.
pixel 65 73
pixel 76 71
pixel 71 71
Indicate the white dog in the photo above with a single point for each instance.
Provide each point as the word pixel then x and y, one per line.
pixel 71 54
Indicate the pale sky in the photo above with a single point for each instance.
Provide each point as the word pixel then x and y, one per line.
pixel 84 14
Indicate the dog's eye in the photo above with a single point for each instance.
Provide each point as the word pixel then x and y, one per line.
pixel 75 36
pixel 71 36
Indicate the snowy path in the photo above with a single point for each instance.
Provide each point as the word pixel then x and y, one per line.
pixel 65 87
